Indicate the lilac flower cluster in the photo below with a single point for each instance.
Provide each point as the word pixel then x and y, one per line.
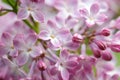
pixel 60 40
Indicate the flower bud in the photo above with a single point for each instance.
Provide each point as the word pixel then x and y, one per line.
pixel 105 32
pixel 106 55
pixel 38 1
pixel 115 77
pixel 115 47
pixel 97 53
pixel 77 38
pixel 101 45
pixel 41 65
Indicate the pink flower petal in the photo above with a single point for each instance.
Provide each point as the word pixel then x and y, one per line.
pixel 83 12
pixel 13 53
pixel 101 19
pixel 3 50
pixel 19 42
pixel 64 34
pixel 31 39
pixel 71 64
pixel 94 9
pixel 71 23
pixel 64 74
pixel 22 59
pixel 44 35
pixel 72 46
pixel 38 16
pixel 64 54
pixel 36 51
pixel 6 38
pixel 55 42
pixel 90 23
pixel 23 13
pixel 51 24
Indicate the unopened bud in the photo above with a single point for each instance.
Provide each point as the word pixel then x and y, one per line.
pixel 77 38
pixel 106 55
pixel 101 45
pixel 38 1
pixel 115 77
pixel 105 32
pixel 41 65
pixel 115 47
pixel 96 51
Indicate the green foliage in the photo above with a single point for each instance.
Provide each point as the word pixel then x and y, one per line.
pixel 117 55
pixel 12 2
pixel 89 51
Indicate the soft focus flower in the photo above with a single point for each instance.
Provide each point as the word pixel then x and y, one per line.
pixel 93 16
pixel 33 8
pixel 59 40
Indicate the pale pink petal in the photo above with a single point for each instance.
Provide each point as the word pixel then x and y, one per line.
pixel 36 51
pixel 64 74
pixel 71 23
pixel 71 64
pixel 38 16
pixel 94 9
pixel 117 23
pixel 23 13
pixel 24 1
pixel 64 54
pixel 52 25
pixel 18 42
pixel 117 35
pixel 44 35
pixel 51 46
pixel 72 46
pixel 72 3
pixel 83 13
pixel 3 50
pixel 6 38
pixel 90 23
pixel 22 59
pixel 59 5
pixel 64 34
pixel 55 42
pixel 31 39
pixel 101 19
pixel 13 53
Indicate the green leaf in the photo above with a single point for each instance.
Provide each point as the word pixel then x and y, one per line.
pixel 10 2
pixel 94 71
pixel 3 13
pixel 58 52
pixel 117 55
pixel 89 51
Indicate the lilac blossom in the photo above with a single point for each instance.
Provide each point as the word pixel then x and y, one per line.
pixel 26 47
pixel 33 8
pixel 59 40
pixel 6 44
pixel 92 15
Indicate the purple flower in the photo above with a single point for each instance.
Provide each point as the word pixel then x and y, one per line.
pixel 27 47
pixel 54 34
pixel 6 45
pixel 64 63
pixel 33 8
pixel 94 16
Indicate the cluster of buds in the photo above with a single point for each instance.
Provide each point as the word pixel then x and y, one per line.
pixel 59 40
